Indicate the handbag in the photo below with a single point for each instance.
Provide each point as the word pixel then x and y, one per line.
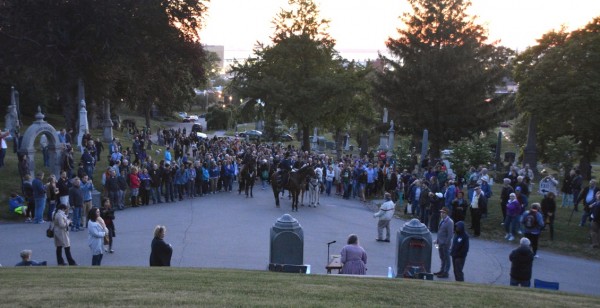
pixel 106 239
pixel 50 231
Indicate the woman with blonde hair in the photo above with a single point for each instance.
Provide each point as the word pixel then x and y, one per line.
pixel 161 252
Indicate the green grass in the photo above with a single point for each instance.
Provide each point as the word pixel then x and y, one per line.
pixel 168 287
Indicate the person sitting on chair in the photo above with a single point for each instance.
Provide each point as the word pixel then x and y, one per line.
pixel 26 259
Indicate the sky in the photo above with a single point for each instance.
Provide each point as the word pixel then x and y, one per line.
pixel 361 27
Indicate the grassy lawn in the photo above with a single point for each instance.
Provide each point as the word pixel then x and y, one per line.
pixel 167 287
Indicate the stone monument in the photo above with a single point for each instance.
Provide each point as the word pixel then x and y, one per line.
pixel 107 124
pixel 83 120
pixel 12 115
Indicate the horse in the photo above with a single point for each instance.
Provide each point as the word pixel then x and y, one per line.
pixel 247 179
pixel 296 181
pixel 314 187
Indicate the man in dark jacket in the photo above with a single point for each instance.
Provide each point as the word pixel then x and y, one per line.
pixel 460 248
pixel 521 263
pixel 76 203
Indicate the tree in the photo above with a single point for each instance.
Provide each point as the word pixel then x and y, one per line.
pixel 143 50
pixel 442 74
pixel 558 82
pixel 295 76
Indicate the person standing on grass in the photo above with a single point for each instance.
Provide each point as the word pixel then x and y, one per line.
pixel 96 232
pixel 533 222
pixel 513 214
pixel 459 250
pixel 549 210
pixel 161 252
pixel 478 202
pixel 521 260
pixel 595 216
pixel 385 214
pixel 507 190
pixel 354 257
pixel 444 241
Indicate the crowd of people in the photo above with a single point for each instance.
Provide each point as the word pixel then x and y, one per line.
pixel 192 167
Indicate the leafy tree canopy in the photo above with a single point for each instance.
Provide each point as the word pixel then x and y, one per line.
pixel 558 83
pixel 442 73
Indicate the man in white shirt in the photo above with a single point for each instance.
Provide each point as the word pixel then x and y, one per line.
pixel 385 214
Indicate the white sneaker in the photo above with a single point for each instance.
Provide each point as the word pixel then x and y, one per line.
pixel 536 256
pixel 511 238
pixel 507 236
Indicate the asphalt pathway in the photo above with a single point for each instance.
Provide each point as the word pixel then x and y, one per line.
pixel 227 230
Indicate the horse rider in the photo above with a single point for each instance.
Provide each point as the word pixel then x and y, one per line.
pixel 285 167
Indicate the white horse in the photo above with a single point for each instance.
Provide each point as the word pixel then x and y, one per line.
pixel 314 186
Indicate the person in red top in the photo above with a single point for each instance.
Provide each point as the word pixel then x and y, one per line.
pixel 134 185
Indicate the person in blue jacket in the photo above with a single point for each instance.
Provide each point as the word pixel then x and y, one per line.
pixel 459 250
pixel 533 222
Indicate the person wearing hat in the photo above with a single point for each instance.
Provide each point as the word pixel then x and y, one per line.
pixel 385 214
pixel 486 189
pixel 443 241
pixel 436 202
pixel 477 203
pixel 548 184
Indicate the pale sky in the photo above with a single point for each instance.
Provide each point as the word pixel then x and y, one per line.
pixel 361 27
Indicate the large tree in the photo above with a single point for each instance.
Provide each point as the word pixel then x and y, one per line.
pixel 558 84
pixel 141 49
pixel 442 73
pixel 295 75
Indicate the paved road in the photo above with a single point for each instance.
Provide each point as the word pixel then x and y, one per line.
pixel 227 230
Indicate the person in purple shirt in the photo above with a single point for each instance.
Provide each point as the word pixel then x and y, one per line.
pixel 354 257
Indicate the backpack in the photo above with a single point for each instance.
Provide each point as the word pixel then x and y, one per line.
pixel 530 220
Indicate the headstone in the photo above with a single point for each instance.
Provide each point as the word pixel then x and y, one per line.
pixel 391 136
pixel 347 142
pixel 498 149
pixel 83 124
pixel 12 116
pixel 385 115
pixel 107 123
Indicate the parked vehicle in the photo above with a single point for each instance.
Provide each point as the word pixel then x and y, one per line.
pixel 252 134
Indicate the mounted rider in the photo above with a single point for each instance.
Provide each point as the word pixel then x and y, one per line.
pixel 285 167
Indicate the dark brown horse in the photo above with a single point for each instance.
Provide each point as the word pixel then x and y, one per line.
pixel 297 180
pixel 247 179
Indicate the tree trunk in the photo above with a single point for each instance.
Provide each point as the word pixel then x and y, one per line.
pixel 585 166
pixel 147 115
pixel 305 138
pixel 338 143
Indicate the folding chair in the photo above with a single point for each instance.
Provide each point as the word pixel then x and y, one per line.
pixel 541 284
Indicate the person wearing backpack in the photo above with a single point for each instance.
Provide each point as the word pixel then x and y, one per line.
pixel 533 222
